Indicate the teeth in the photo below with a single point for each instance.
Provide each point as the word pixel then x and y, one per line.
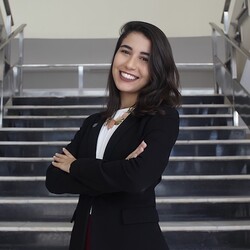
pixel 128 76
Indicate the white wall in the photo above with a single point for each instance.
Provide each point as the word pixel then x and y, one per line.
pixel 103 18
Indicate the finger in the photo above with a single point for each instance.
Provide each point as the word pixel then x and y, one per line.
pixel 59 157
pixel 67 153
pixel 139 150
pixel 63 156
pixel 135 153
pixel 128 157
pixel 55 164
pixel 144 144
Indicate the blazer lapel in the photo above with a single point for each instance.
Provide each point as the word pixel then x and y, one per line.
pixel 119 132
pixel 93 136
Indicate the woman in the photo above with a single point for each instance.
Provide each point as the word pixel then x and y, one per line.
pixel 117 157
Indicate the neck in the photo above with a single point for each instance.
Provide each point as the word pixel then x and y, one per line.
pixel 128 101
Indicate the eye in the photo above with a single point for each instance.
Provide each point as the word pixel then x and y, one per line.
pixel 125 51
pixel 144 59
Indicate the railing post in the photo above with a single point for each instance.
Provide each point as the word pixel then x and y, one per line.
pixel 8 46
pixel 214 51
pixel 15 79
pixel 80 79
pixel 20 63
pixel 233 63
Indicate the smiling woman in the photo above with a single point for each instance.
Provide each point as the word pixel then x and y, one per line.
pixel 111 161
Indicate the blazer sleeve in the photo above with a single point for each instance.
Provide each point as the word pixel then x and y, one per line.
pixel 60 182
pixel 134 175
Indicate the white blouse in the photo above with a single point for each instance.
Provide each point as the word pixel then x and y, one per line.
pixel 105 134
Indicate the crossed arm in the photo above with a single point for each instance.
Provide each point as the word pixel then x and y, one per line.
pixel 64 161
pixel 93 177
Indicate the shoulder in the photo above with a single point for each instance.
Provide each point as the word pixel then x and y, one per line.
pixel 93 117
pixel 163 125
pixel 171 113
pixel 167 119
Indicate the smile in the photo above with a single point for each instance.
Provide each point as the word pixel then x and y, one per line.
pixel 128 76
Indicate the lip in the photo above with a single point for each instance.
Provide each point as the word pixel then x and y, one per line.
pixel 127 76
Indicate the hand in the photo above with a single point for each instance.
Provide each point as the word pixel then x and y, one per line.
pixel 63 161
pixel 137 151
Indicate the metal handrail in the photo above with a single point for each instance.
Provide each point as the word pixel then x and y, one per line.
pixel 227 78
pixel 3 45
pixel 232 42
pixel 82 67
pixel 12 35
pixel 107 65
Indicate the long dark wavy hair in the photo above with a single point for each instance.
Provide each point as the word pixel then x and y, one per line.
pixel 164 77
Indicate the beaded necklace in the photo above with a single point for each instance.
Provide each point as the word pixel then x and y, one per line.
pixel 110 122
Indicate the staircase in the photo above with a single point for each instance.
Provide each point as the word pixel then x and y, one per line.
pixel 203 199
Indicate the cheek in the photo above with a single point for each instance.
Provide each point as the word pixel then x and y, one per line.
pixel 116 64
pixel 114 67
pixel 146 73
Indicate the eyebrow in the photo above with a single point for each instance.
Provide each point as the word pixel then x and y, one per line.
pixel 130 48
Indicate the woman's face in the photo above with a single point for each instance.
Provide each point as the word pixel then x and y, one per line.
pixel 131 65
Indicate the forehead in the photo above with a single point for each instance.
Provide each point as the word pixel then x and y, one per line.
pixel 137 41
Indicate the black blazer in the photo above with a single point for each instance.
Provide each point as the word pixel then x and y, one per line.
pixel 120 192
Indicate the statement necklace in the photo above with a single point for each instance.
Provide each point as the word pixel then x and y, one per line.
pixel 111 121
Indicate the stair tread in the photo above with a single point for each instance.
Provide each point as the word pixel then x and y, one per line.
pixel 94 106
pixel 164 177
pixel 213 141
pixel 221 225
pixel 210 158
pixel 171 158
pixel 207 177
pixel 45 116
pixel 38 129
pixel 101 106
pixel 76 128
pixel 85 116
pixel 229 225
pixel 178 142
pixel 159 200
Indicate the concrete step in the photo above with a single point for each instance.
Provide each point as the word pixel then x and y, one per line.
pixel 67 133
pixel 202 199
pixel 77 120
pixel 186 226
pixel 100 100
pixel 206 187
pixel 90 109
pixel 48 100
pixel 178 165
pixel 172 187
pixel 60 208
pixel 181 148
pixel 194 235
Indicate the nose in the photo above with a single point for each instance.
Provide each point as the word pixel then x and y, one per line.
pixel 131 63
